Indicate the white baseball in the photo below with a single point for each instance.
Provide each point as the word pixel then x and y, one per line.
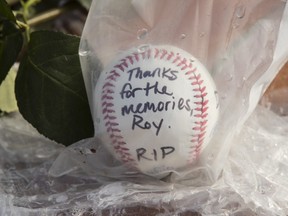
pixel 155 108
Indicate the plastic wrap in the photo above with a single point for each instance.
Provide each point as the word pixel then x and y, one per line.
pixel 232 49
pixel 253 181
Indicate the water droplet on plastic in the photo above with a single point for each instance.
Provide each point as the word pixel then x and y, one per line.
pixel 83 52
pixel 240 11
pixel 182 36
pixel 223 97
pixel 202 34
pixel 50 198
pixel 143 48
pixel 261 190
pixel 236 25
pixel 86 151
pixel 228 77
pixel 142 33
pixel 211 157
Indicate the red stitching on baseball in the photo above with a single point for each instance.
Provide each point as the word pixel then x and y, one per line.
pixel 204 103
pixel 122 143
pixel 112 77
pixel 109 117
pixel 106 104
pixel 136 55
pixel 176 59
pixel 201 95
pixel 202 108
pixel 120 67
pixel 193 77
pixel 183 61
pixel 197 82
pixel 130 58
pixel 201 128
pixel 149 54
pixel 124 62
pixel 122 148
pixel 105 110
pixel 203 116
pixel 143 54
pixel 113 130
pixel 156 53
pixel 201 122
pixel 108 91
pixel 110 123
pixel 108 84
pixel 163 54
pixel 114 141
pixel 170 56
pixel 107 97
pixel 197 140
pixel 200 89
pixel 112 136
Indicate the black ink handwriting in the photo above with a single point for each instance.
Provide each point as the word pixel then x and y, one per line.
pixel 144 154
pixel 138 121
pixel 160 106
pixel 129 91
pixel 138 73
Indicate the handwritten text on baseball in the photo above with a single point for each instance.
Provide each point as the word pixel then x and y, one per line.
pixel 151 88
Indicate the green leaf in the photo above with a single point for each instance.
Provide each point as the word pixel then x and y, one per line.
pixel 7 96
pixel 11 41
pixel 5 11
pixel 50 90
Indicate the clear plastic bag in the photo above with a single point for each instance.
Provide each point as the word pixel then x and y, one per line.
pixel 235 47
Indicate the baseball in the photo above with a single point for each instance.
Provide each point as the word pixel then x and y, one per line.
pixel 155 108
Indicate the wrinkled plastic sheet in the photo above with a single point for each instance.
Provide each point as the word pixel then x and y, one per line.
pixel 253 182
